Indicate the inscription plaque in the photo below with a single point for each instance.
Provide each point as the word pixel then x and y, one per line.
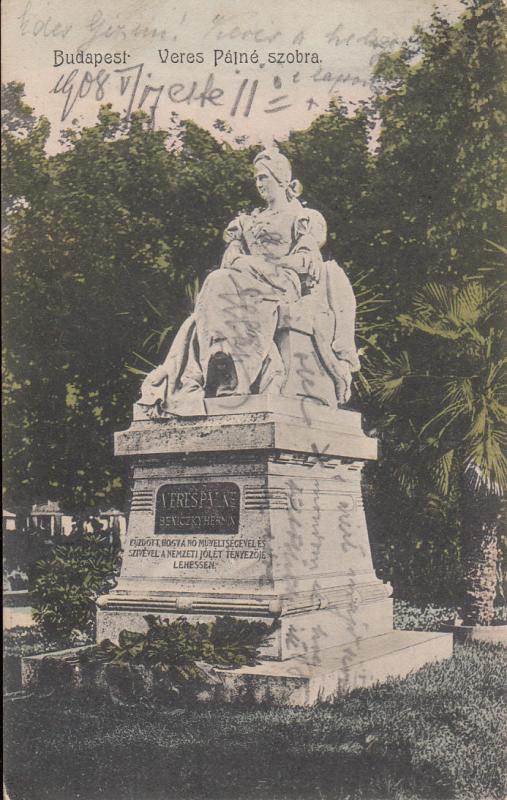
pixel 195 508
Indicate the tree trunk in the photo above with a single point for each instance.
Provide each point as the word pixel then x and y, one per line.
pixel 481 522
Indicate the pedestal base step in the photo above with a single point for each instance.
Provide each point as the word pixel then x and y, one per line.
pixel 300 681
pixel 322 676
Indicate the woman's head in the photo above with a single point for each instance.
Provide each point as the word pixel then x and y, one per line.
pixel 273 175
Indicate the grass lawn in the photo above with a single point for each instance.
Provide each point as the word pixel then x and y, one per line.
pixel 440 733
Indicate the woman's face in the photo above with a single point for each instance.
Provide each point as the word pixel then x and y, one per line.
pixel 267 186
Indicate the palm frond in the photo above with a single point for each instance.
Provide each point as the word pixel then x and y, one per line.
pixel 146 361
pixel 153 308
pixel 470 304
pixel 163 334
pixel 496 380
pixel 486 439
pixel 460 419
pixel 431 300
pixel 385 383
pixel 498 247
pixel 136 371
pixel 408 478
pixel 441 472
pixel 486 462
pixel 449 312
pixel 427 326
pixel 458 401
pixel 149 337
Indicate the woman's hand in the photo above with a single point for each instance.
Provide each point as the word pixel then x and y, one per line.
pixel 304 264
pixel 343 381
pixel 295 262
pixel 313 266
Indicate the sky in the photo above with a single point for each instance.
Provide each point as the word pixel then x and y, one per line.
pixel 263 68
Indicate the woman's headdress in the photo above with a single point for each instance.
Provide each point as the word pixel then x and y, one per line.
pixel 280 168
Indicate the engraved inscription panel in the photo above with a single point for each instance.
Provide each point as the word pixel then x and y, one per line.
pixel 196 508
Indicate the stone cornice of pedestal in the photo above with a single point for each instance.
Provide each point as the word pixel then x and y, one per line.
pixel 252 423
pixel 346 596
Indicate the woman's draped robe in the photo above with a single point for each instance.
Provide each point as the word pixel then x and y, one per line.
pixel 237 312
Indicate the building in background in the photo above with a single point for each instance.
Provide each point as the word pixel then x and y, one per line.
pixel 8 521
pixel 48 518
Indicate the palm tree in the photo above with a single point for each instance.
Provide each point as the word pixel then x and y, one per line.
pixel 443 402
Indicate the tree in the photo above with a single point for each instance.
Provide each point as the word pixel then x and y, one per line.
pixel 438 194
pixel 332 160
pixel 440 179
pixel 98 253
pixel 77 260
pixel 24 171
pixel 443 393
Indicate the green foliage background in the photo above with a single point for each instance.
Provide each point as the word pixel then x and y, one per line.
pixel 68 581
pixel 107 241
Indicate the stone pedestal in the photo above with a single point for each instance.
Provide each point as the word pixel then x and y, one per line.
pixel 256 511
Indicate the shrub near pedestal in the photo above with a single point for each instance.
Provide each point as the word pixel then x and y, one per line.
pixel 171 660
pixel 68 582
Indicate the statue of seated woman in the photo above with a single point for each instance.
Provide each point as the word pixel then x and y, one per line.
pixel 272 269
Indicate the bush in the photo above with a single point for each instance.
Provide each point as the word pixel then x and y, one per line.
pixel 68 582
pixel 408 617
pixel 427 618
pixel 176 647
pixel 32 641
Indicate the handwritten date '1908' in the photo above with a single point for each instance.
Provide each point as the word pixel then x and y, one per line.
pixel 138 93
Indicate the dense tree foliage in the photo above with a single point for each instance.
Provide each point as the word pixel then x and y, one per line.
pixel 24 163
pixel 332 160
pixel 440 192
pixel 96 261
pixel 440 169
pixel 67 583
pixel 443 423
